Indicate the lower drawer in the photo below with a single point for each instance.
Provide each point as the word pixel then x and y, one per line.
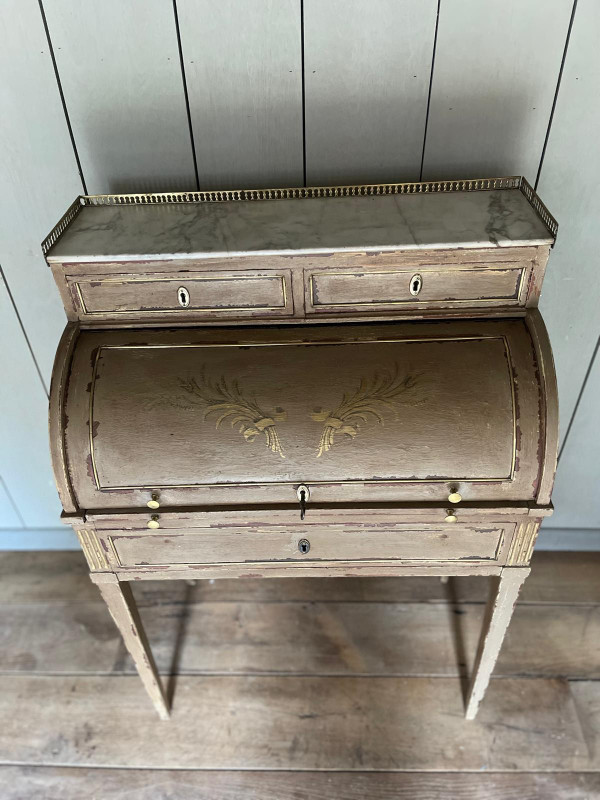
pixel 423 543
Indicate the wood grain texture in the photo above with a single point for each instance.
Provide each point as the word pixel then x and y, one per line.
pixel 39 180
pixel 120 73
pixel 63 783
pixel 244 77
pixel 24 457
pixel 456 385
pixel 54 578
pixel 569 182
pixel 123 610
pixel 371 290
pixel 578 476
pixel 195 635
pixel 335 543
pixel 504 591
pixel 291 723
pixel 586 695
pixel 492 89
pixel 224 294
pixel 367 70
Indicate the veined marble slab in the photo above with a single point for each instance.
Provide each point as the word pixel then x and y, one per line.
pixel 495 218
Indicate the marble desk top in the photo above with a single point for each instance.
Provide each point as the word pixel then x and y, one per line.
pixel 490 218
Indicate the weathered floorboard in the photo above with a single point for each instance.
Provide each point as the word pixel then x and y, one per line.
pixel 291 723
pixel 63 783
pixel 59 577
pixel 301 638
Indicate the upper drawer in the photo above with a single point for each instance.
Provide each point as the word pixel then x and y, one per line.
pixel 358 290
pixel 187 295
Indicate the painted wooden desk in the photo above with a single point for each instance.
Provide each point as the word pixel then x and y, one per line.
pixel 204 424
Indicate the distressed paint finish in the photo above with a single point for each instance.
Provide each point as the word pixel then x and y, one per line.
pixel 121 604
pixel 194 452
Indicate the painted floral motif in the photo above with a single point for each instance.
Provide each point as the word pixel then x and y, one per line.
pixel 385 391
pixel 227 402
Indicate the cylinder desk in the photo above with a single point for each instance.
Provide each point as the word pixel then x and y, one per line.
pixel 338 381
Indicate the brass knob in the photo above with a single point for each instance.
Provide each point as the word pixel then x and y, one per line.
pixel 450 515
pixel 153 522
pixel 454 496
pixel 153 502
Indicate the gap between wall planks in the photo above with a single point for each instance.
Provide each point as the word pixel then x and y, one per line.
pixel 569 321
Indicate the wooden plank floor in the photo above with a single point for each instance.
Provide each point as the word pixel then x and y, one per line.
pixel 298 689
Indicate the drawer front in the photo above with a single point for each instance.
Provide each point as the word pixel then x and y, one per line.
pixel 398 543
pixel 370 289
pixel 226 294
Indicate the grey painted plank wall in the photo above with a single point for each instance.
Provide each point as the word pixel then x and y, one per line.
pixel 243 64
pixel 569 182
pixel 496 67
pixel 120 72
pixel 38 172
pixel 24 456
pixel 367 68
pixel 494 79
pixel 577 490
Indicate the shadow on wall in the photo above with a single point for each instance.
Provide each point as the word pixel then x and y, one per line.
pixel 242 150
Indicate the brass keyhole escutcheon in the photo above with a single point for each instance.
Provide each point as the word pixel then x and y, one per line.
pixel 183 297
pixel 416 284
pixel 304 546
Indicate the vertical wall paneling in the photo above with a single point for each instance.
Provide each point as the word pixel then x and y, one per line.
pixel 496 68
pixel 243 66
pixel 38 174
pixel 9 514
pixel 121 76
pixel 576 495
pixel 367 70
pixel 24 455
pixel 569 184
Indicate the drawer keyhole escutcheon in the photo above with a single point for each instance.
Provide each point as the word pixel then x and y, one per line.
pixel 153 502
pixel 153 522
pixel 303 493
pixel 304 546
pixel 183 296
pixel 416 283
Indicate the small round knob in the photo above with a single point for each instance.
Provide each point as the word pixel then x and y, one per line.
pixel 153 502
pixel 153 522
pixel 450 515
pixel 454 496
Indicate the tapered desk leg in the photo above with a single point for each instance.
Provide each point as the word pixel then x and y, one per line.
pixel 501 603
pixel 121 604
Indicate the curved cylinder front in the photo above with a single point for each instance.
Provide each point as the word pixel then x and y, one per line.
pixel 398 413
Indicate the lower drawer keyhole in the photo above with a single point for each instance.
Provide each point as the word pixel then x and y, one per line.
pixel 304 545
